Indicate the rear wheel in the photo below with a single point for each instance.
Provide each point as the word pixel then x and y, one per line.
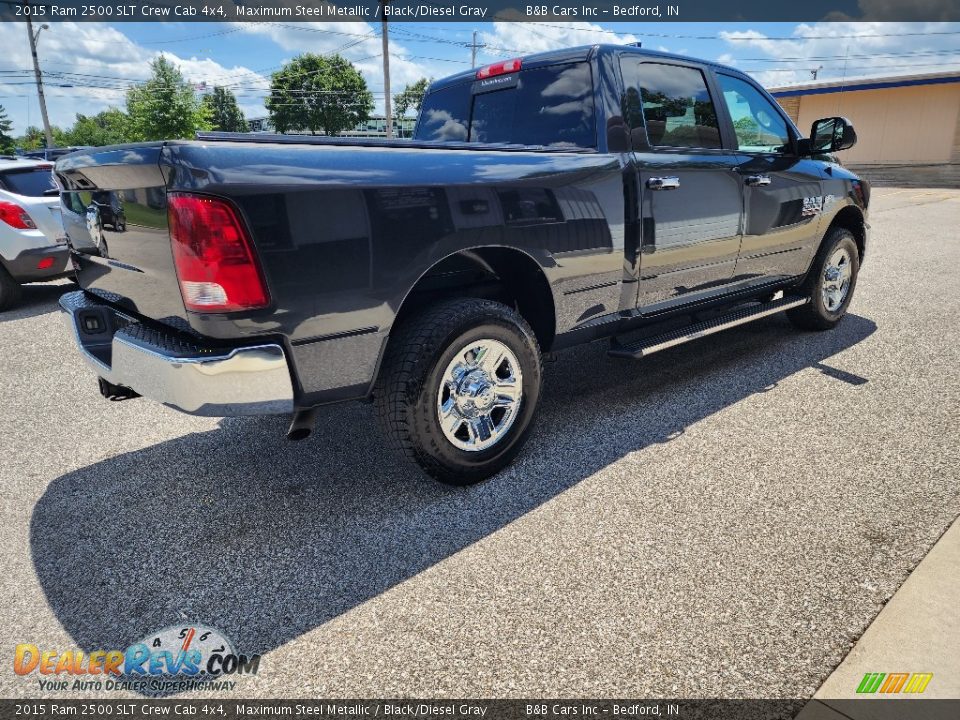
pixel 10 290
pixel 459 388
pixel 830 284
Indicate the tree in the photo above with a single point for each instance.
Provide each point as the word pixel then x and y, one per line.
pixel 109 127
pixel 32 139
pixel 6 142
pixel 748 130
pixel 165 107
pixel 313 92
pixel 411 97
pixel 225 115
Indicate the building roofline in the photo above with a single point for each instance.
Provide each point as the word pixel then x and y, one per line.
pixel 864 83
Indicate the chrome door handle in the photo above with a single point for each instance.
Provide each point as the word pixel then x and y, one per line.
pixel 663 183
pixel 757 180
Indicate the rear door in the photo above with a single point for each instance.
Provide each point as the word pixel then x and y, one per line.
pixel 690 195
pixel 783 196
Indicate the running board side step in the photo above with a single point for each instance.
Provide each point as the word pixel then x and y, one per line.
pixel 742 316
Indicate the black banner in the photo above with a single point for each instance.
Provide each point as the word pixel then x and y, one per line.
pixel 875 709
pixel 477 10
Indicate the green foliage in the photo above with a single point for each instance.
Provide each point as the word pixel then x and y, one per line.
pixel 109 127
pixel 318 93
pixel 6 141
pixel 224 113
pixel 748 131
pixel 165 107
pixel 411 97
pixel 32 139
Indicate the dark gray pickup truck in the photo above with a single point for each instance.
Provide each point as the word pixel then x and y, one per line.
pixel 546 201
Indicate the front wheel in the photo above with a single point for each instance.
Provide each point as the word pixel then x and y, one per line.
pixel 459 388
pixel 830 284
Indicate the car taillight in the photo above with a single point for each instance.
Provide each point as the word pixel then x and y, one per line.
pixel 15 216
pixel 500 68
pixel 214 257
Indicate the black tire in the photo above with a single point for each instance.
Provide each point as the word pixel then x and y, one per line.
pixel 815 315
pixel 411 379
pixel 10 290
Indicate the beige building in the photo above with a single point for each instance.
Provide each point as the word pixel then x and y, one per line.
pixel 901 120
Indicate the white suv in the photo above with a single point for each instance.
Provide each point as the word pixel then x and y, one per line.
pixel 32 242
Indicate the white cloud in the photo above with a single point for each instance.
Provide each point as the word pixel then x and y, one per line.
pixel 102 63
pixel 357 42
pixel 843 49
pixel 524 38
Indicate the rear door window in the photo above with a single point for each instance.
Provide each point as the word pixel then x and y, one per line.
pixel 31 182
pixel 445 115
pixel 676 104
pixel 550 106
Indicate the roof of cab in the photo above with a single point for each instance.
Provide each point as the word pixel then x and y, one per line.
pixel 577 54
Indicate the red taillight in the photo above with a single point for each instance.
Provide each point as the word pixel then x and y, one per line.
pixel 500 68
pixel 216 266
pixel 45 263
pixel 15 216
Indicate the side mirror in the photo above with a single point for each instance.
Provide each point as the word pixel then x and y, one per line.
pixel 830 135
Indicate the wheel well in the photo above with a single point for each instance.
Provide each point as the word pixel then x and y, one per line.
pixel 851 218
pixel 502 274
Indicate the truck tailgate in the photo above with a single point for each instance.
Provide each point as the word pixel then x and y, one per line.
pixel 114 211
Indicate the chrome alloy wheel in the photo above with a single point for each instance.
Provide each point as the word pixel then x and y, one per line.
pixel 836 280
pixel 480 395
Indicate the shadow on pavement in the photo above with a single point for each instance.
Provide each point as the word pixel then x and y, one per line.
pixel 37 299
pixel 265 539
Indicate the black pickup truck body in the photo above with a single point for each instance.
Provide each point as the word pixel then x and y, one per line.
pixel 353 236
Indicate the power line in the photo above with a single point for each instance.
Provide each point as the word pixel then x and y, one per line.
pixel 194 37
pixel 764 37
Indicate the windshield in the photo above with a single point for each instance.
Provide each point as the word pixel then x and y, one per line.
pixel 551 106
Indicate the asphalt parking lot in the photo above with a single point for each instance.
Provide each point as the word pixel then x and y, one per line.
pixel 722 519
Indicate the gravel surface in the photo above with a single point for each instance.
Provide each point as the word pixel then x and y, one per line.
pixel 722 519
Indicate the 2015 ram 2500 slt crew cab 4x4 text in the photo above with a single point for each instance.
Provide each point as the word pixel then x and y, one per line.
pixel 545 201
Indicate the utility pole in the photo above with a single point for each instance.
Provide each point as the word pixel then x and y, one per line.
pixel 36 72
pixel 385 42
pixel 815 71
pixel 474 46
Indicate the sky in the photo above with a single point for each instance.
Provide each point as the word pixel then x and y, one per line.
pixel 88 66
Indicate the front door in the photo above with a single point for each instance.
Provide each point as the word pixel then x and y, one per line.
pixel 690 194
pixel 782 192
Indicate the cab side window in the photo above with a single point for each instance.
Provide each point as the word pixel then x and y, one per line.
pixel 758 125
pixel 676 105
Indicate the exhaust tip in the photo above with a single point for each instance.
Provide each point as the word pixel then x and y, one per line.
pixel 299 434
pixel 301 427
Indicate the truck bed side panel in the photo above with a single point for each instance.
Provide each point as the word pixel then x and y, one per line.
pixel 345 232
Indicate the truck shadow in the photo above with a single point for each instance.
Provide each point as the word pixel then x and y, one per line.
pixel 37 299
pixel 265 540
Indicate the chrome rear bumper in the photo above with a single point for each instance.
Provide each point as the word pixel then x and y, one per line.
pixel 250 380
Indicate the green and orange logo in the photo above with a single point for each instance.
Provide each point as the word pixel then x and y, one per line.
pixel 888 683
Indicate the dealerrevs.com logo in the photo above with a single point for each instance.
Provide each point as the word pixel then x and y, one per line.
pixel 891 683
pixel 176 659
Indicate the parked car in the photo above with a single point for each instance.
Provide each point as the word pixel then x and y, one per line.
pixel 52 153
pixel 545 201
pixel 109 209
pixel 33 246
